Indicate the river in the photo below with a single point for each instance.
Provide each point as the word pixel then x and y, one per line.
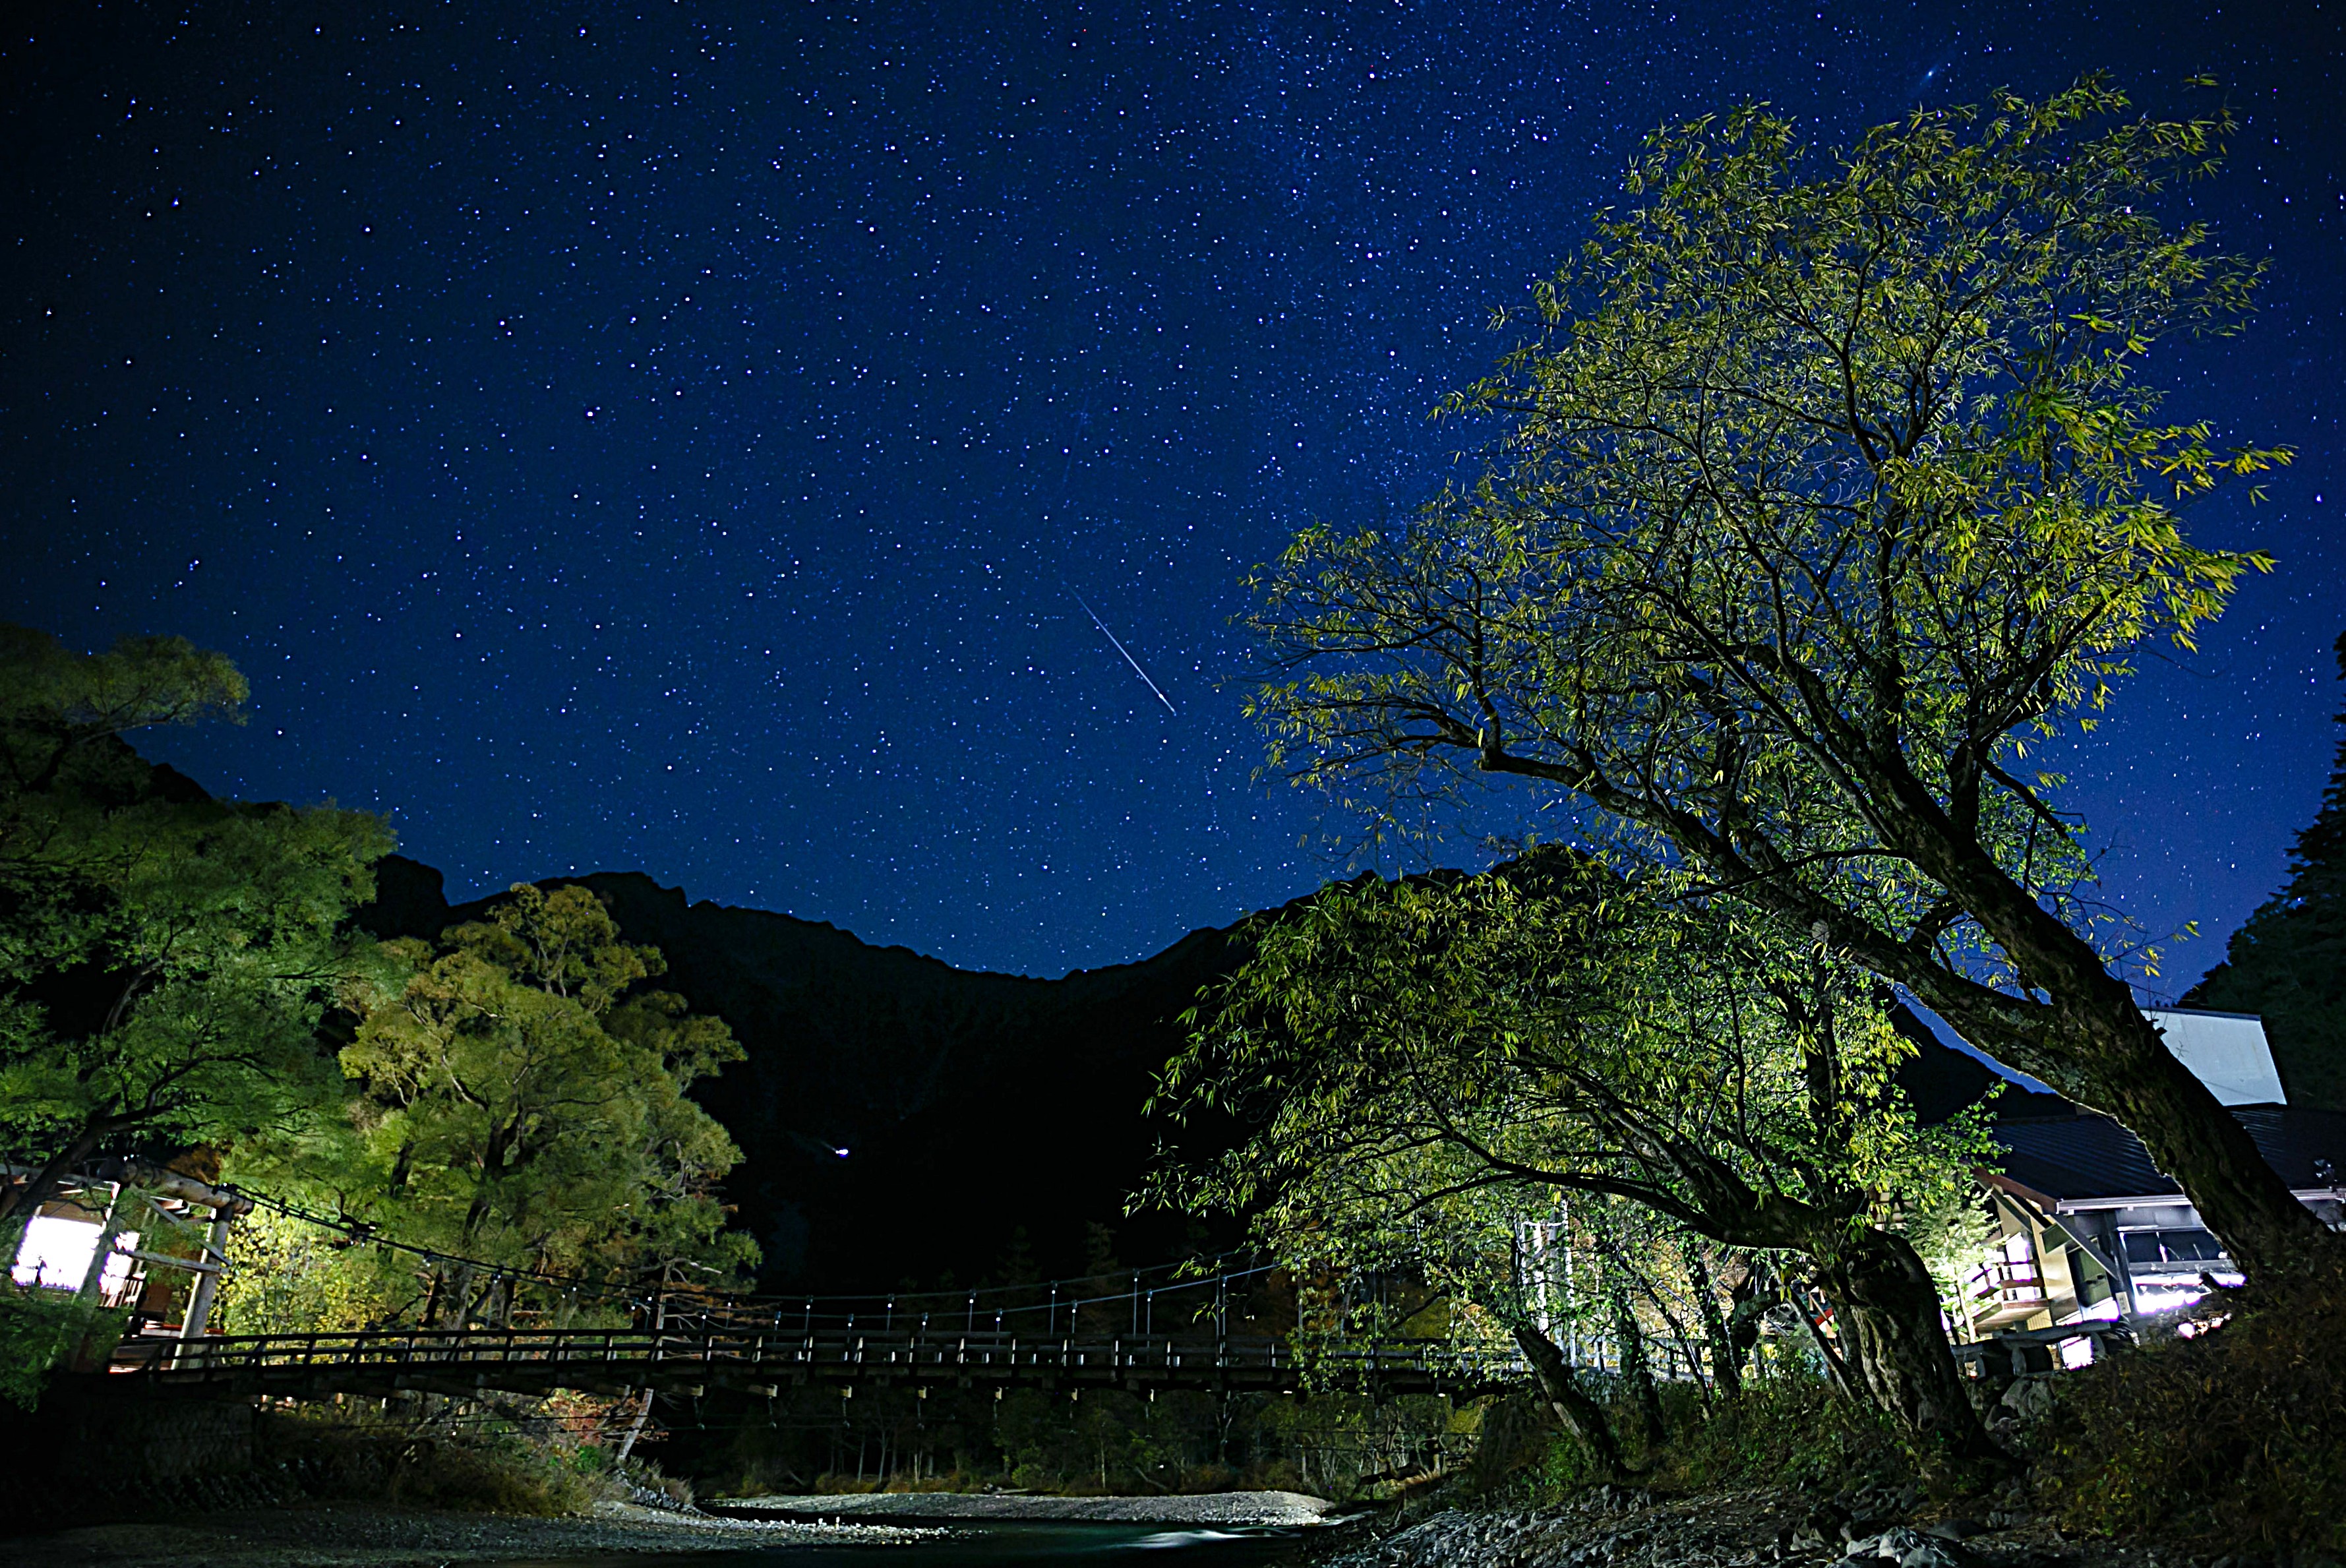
pixel 1005 1544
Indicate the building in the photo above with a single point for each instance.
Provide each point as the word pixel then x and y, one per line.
pixel 2086 1227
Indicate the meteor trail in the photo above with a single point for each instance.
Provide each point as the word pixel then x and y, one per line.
pixel 1128 656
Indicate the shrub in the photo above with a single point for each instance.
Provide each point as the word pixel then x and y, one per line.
pixel 1787 1430
pixel 487 1465
pixel 497 1475
pixel 2233 1437
pixel 43 1330
pixel 1518 1451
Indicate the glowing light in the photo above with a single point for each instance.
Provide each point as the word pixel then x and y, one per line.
pixel 56 1254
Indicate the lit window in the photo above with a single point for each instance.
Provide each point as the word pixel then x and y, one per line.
pixel 56 1254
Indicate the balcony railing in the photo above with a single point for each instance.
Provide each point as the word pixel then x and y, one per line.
pixel 2006 1282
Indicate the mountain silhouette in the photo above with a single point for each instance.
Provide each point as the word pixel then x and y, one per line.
pixel 972 1106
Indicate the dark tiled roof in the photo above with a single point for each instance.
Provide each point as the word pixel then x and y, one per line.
pixel 1939 1079
pixel 2089 1157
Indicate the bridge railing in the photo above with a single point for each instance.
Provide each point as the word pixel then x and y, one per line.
pixel 826 1351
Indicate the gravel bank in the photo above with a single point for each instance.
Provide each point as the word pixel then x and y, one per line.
pixel 353 1536
pixel 1620 1527
pixel 1210 1508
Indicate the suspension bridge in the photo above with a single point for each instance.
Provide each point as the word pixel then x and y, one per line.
pixel 694 1358
pixel 1094 1332
pixel 1067 1336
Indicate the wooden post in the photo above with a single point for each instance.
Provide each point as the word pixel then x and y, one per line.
pixel 636 1430
pixel 199 1305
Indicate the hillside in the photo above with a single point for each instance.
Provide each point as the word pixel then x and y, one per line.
pixel 971 1105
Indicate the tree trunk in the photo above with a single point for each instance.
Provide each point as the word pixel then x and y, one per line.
pixel 1751 1304
pixel 635 1430
pixel 457 1300
pixel 93 1279
pixel 1636 1369
pixel 1583 1417
pixel 1726 1366
pixel 2088 1039
pixel 2111 1059
pixel 1837 1371
pixel 26 1201
pixel 1889 1314
pixel 2094 1044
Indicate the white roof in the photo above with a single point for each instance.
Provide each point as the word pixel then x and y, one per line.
pixel 2224 1051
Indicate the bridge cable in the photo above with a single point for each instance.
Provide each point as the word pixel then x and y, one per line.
pixel 364 1233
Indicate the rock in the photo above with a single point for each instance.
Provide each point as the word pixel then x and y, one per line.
pixel 1908 1549
pixel 1932 1554
pixel 2028 1398
pixel 1953 1529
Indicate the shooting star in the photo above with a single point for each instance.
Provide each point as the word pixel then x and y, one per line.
pixel 1127 656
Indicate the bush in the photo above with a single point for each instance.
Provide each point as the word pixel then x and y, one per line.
pixel 1518 1451
pixel 1788 1430
pixel 2233 1437
pixel 502 1475
pixel 44 1330
pixel 493 1466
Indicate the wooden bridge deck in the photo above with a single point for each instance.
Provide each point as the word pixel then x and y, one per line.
pixel 764 1362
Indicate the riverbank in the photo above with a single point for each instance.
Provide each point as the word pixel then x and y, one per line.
pixel 1214 1508
pixel 1607 1527
pixel 1761 1527
pixel 350 1535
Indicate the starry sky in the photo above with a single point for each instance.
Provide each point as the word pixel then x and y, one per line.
pixel 698 439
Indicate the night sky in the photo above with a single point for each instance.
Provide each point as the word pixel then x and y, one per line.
pixel 684 438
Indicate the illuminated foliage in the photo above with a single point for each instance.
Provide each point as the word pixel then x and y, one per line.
pixel 1425 1065
pixel 520 1112
pixel 1828 484
pixel 165 958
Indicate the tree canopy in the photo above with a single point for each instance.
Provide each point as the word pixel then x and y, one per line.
pixel 165 958
pixel 1829 485
pixel 1425 1063
pixel 176 969
pixel 518 1113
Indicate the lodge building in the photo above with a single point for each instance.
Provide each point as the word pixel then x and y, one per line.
pixel 2086 1228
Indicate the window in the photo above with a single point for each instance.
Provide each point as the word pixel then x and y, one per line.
pixel 2171 1248
pixel 56 1253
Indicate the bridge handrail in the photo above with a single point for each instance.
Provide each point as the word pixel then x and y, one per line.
pixel 909 1350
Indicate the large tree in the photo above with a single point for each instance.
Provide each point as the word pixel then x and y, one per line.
pixel 2288 963
pixel 1829 484
pixel 519 1115
pixel 165 958
pixel 1424 1065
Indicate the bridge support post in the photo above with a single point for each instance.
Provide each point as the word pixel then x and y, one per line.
pixel 636 1430
pixel 200 1301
